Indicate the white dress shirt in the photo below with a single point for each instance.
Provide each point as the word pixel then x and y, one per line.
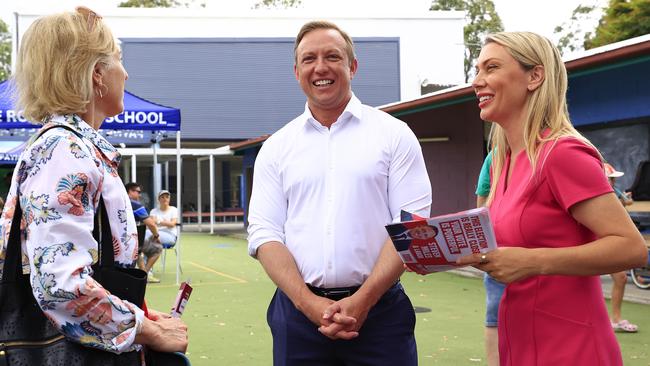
pixel 328 193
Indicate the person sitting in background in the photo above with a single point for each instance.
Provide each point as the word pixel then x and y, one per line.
pixel 165 217
pixel 619 278
pixel 147 254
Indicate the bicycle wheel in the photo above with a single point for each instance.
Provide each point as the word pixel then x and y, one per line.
pixel 641 277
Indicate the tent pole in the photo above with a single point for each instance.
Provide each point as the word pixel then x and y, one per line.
pixel 199 204
pixel 211 194
pixel 134 177
pixel 125 170
pixel 167 175
pixel 156 168
pixel 178 202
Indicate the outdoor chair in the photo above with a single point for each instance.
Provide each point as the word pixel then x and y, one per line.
pixel 176 248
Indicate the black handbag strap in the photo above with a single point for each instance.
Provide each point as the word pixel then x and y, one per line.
pixel 102 233
pixel 12 268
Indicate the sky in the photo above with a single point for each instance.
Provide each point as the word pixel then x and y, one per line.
pixel 528 15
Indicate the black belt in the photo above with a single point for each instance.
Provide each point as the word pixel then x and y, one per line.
pixel 336 293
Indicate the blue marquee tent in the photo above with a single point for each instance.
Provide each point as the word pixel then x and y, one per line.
pixel 139 114
pixel 10 156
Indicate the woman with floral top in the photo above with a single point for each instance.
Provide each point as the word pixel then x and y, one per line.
pixel 69 73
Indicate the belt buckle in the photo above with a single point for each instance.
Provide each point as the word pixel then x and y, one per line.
pixel 337 294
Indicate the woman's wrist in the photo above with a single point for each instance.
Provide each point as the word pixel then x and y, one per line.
pixel 146 332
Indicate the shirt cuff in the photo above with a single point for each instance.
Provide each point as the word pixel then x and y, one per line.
pixel 124 341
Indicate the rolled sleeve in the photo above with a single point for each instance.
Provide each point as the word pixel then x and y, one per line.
pixel 409 187
pixel 268 205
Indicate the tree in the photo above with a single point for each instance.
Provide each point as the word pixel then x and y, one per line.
pixel 269 4
pixel 159 4
pixel 5 51
pixel 623 19
pixel 573 37
pixel 482 19
pixel 149 4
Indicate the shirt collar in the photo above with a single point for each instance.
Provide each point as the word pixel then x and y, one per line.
pixel 352 110
pixel 84 129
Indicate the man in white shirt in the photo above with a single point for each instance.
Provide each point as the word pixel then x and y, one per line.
pixel 324 187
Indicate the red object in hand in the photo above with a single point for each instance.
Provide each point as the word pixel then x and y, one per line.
pixel 144 308
pixel 181 300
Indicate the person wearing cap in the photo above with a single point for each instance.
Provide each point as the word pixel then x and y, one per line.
pixel 165 217
pixel 134 190
pixel 612 174
pixel 619 278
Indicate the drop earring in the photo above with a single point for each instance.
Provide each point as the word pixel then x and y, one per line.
pixel 99 90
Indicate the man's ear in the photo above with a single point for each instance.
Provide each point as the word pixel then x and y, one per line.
pixel 536 77
pixel 353 68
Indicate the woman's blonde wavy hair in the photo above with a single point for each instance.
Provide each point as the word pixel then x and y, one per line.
pixel 546 107
pixel 55 64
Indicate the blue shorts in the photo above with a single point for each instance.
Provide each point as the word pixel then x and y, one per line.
pixel 493 291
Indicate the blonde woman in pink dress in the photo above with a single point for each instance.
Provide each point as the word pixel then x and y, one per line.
pixel 557 221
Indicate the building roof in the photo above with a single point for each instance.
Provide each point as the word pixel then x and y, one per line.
pixel 250 143
pixel 634 48
pixel 628 51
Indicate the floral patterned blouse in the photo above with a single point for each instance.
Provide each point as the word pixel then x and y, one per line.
pixel 59 179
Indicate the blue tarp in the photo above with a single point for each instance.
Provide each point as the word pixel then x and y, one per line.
pixel 139 114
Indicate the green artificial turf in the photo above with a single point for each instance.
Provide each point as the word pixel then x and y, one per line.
pixel 226 313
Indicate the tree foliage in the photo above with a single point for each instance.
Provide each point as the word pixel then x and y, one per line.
pixel 482 19
pixel 149 4
pixel 623 19
pixel 573 36
pixel 270 4
pixel 5 51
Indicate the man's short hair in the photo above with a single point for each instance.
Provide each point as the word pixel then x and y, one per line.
pixel 131 186
pixel 323 24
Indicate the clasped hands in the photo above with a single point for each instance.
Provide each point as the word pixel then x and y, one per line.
pixel 340 319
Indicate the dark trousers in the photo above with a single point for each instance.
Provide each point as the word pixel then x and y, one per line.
pixel 386 337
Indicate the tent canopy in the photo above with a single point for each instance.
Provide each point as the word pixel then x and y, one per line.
pixel 10 156
pixel 139 114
